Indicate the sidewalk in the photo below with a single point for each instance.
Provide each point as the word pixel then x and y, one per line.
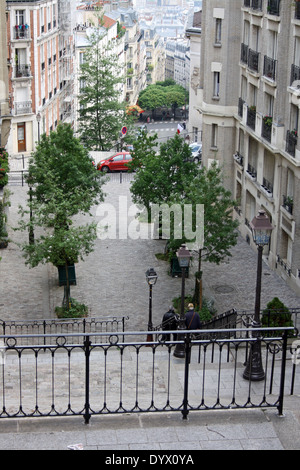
pixel 111 281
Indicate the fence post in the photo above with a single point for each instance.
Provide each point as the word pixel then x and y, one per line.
pixel 87 343
pixel 187 344
pixel 282 376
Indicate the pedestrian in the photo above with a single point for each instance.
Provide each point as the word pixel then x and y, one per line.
pixel 192 319
pixel 169 322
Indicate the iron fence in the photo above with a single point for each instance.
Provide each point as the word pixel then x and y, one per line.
pixel 115 373
pixel 30 330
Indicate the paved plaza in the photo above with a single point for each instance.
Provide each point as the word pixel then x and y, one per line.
pixel 111 281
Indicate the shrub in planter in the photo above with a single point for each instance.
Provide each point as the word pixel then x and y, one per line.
pixel 276 314
pixel 75 310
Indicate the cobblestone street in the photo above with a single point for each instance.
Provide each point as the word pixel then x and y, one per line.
pixel 111 280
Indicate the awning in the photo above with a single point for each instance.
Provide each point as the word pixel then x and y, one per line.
pixel 133 108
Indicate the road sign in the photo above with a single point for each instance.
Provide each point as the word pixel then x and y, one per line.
pixel 124 130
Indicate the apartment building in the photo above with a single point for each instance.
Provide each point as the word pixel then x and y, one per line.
pixel 5 117
pixel 250 81
pixel 40 69
pixel 193 33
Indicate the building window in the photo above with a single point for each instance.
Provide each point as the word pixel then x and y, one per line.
pixel 218 35
pixel 216 93
pixel 214 136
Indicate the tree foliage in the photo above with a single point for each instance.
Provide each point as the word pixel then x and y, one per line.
pixel 101 113
pixel 161 94
pixel 62 183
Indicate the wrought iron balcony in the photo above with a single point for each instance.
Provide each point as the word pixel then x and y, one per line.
pixel 297 10
pixel 267 186
pixel 266 129
pixel 291 142
pixel 253 60
pixel 23 107
pixel 244 53
pixel 256 5
pixel 238 158
pixel 295 74
pixel 240 107
pixel 273 7
pixel 251 117
pixel 22 71
pixel 251 171
pixel 21 32
pixel 269 67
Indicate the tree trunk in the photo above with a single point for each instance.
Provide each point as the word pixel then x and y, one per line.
pixel 198 284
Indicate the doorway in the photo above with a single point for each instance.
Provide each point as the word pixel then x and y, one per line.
pixel 21 137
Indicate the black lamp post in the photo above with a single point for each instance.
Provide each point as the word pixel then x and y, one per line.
pixel 151 277
pixel 38 118
pixel 261 232
pixel 184 257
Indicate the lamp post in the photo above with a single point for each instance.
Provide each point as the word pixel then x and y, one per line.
pixel 38 118
pixel 151 277
pixel 184 257
pixel 261 232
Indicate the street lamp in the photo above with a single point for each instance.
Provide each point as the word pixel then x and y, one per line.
pixel 38 118
pixel 261 233
pixel 151 277
pixel 184 257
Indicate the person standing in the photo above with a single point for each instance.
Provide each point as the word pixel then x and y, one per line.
pixel 192 319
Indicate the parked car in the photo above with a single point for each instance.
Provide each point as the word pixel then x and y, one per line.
pixel 117 162
pixel 196 149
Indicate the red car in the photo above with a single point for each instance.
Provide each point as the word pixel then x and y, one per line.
pixel 117 162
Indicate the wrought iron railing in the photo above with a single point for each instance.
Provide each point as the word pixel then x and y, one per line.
pixel 106 374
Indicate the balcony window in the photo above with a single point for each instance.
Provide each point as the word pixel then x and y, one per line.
pixel 266 128
pixel 269 68
pixel 288 204
pixel 251 117
pixel 274 7
pixel 21 31
pixel 291 142
pixel 253 60
pixel 244 53
pixel 256 5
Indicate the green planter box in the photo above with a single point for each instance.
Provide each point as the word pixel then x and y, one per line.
pixel 176 269
pixel 62 279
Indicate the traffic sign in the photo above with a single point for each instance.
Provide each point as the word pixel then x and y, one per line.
pixel 124 130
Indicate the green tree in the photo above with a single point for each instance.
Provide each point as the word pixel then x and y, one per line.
pixel 63 183
pixel 160 94
pixel 162 175
pixel 220 233
pixel 101 113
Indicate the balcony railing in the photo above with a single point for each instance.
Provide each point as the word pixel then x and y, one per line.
pixel 251 171
pixel 251 117
pixel 295 74
pixel 238 158
pixel 253 60
pixel 21 32
pixel 291 143
pixel 240 107
pixel 296 5
pixel 256 5
pixel 23 107
pixel 266 129
pixel 274 7
pixel 268 186
pixel 244 53
pixel 269 67
pixel 22 71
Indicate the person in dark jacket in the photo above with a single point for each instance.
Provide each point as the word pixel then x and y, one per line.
pixel 169 322
pixel 192 319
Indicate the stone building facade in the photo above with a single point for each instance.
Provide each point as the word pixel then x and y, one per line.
pixel 250 82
